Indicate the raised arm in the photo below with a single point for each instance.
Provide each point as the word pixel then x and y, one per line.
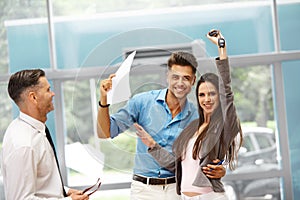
pixel 232 124
pixel 217 38
pixel 103 117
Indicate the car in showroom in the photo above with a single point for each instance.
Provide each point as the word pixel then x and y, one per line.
pixel 258 154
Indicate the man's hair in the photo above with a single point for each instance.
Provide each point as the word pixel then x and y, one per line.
pixel 22 80
pixel 184 59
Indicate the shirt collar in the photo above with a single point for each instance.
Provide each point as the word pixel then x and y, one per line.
pixel 38 125
pixel 162 95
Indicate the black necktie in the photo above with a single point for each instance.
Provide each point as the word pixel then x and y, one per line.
pixel 52 145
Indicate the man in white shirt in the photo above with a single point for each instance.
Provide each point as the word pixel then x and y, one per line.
pixel 29 166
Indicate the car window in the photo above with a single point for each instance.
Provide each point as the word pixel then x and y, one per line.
pixel 263 141
pixel 247 143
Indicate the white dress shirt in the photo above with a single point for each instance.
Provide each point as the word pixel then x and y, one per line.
pixel 28 163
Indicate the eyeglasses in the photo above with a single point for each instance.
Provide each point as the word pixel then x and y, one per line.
pixel 96 186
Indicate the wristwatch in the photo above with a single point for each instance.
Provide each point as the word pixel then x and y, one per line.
pixel 221 42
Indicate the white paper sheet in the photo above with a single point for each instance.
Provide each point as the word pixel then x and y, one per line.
pixel 120 83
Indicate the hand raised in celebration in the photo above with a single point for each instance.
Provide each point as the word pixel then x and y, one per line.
pixel 214 35
pixel 106 85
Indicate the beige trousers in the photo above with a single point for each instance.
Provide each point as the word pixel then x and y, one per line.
pixel 141 191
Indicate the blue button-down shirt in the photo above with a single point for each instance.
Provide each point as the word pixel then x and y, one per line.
pixel 151 111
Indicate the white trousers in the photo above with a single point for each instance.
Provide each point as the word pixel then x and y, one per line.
pixel 141 191
pixel 207 196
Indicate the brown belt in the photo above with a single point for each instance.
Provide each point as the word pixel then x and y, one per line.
pixel 154 181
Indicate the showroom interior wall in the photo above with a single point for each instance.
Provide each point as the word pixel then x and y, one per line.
pixel 84 47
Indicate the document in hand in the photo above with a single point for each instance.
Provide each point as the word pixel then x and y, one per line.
pixel 120 83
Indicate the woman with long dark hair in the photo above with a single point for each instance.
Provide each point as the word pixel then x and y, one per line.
pixel 210 138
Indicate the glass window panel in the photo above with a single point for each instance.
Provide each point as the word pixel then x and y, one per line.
pixel 24 45
pixel 288 15
pixel 14 10
pixel 253 91
pixel 80 138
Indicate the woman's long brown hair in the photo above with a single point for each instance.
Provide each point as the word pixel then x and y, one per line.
pixel 180 144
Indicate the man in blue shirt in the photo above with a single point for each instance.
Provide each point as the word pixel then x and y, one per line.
pixel 163 114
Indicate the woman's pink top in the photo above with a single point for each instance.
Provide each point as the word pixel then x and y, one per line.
pixel 190 168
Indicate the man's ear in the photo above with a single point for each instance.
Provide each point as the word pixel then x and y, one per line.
pixel 32 97
pixel 194 80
